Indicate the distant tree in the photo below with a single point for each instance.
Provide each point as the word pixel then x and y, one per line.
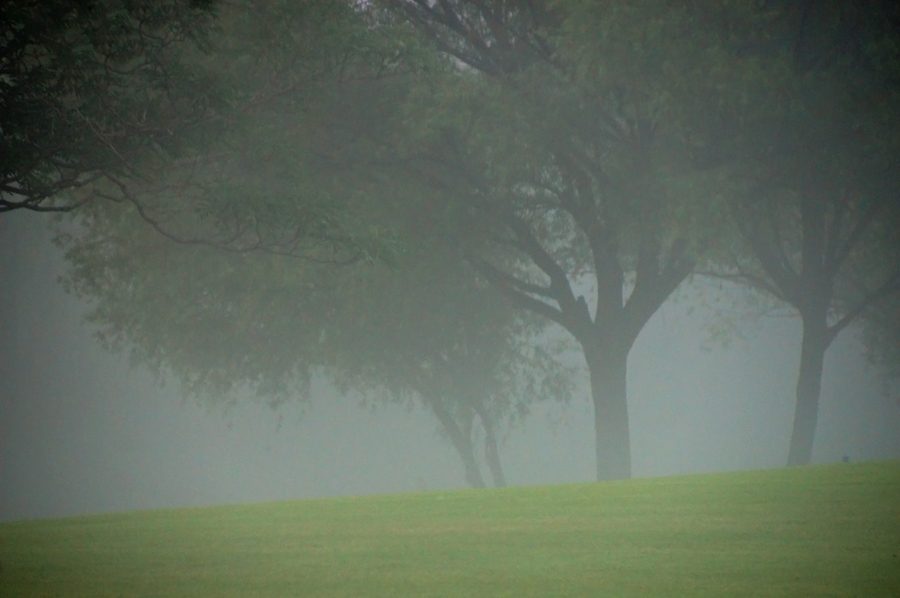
pixel 234 286
pixel 803 113
pixel 558 136
pixel 439 340
pixel 95 89
pixel 226 324
pixel 428 330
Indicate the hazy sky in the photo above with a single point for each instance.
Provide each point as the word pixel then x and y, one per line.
pixel 80 432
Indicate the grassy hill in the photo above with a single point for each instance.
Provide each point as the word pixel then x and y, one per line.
pixel 829 530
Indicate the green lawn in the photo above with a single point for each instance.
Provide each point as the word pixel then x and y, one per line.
pixel 817 531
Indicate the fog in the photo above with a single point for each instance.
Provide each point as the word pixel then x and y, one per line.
pixel 81 432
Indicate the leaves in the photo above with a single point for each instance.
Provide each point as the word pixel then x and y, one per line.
pixel 295 243
pixel 94 89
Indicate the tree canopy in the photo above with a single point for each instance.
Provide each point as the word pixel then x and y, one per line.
pixel 804 117
pixel 264 273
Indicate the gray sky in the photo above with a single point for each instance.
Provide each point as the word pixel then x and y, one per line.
pixel 80 432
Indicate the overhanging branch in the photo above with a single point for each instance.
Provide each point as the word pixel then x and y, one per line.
pixel 507 284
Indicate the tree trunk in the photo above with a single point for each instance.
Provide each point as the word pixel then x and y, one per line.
pixel 608 367
pixel 809 386
pixel 473 472
pixel 491 449
pixel 461 442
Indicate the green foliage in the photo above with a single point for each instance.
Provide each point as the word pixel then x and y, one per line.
pixel 802 532
pixel 95 88
pixel 217 321
pixel 309 91
pixel 227 289
pixel 802 112
pixel 881 336
pixel 296 243
pixel 427 329
pixel 589 136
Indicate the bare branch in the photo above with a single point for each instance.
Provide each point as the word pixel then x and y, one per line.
pixel 784 279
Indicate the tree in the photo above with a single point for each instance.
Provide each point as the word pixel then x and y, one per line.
pixel 94 89
pixel 429 335
pixel 558 135
pixel 804 115
pixel 427 330
pixel 227 323
pixel 240 283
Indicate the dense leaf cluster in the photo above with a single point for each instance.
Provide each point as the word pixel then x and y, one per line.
pixel 94 89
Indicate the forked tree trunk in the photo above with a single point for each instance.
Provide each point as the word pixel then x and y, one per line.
pixel 809 387
pixel 473 472
pixel 608 368
pixel 491 449
pixel 462 442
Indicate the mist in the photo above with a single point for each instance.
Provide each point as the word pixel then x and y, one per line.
pixel 82 432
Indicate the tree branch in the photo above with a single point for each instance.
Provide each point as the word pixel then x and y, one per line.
pixel 842 252
pixel 505 283
pixel 786 280
pixel 891 285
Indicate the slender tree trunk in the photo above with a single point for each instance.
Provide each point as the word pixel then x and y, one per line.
pixel 473 472
pixel 461 442
pixel 809 386
pixel 608 368
pixel 491 449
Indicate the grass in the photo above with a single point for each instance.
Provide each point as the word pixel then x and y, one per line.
pixel 829 530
